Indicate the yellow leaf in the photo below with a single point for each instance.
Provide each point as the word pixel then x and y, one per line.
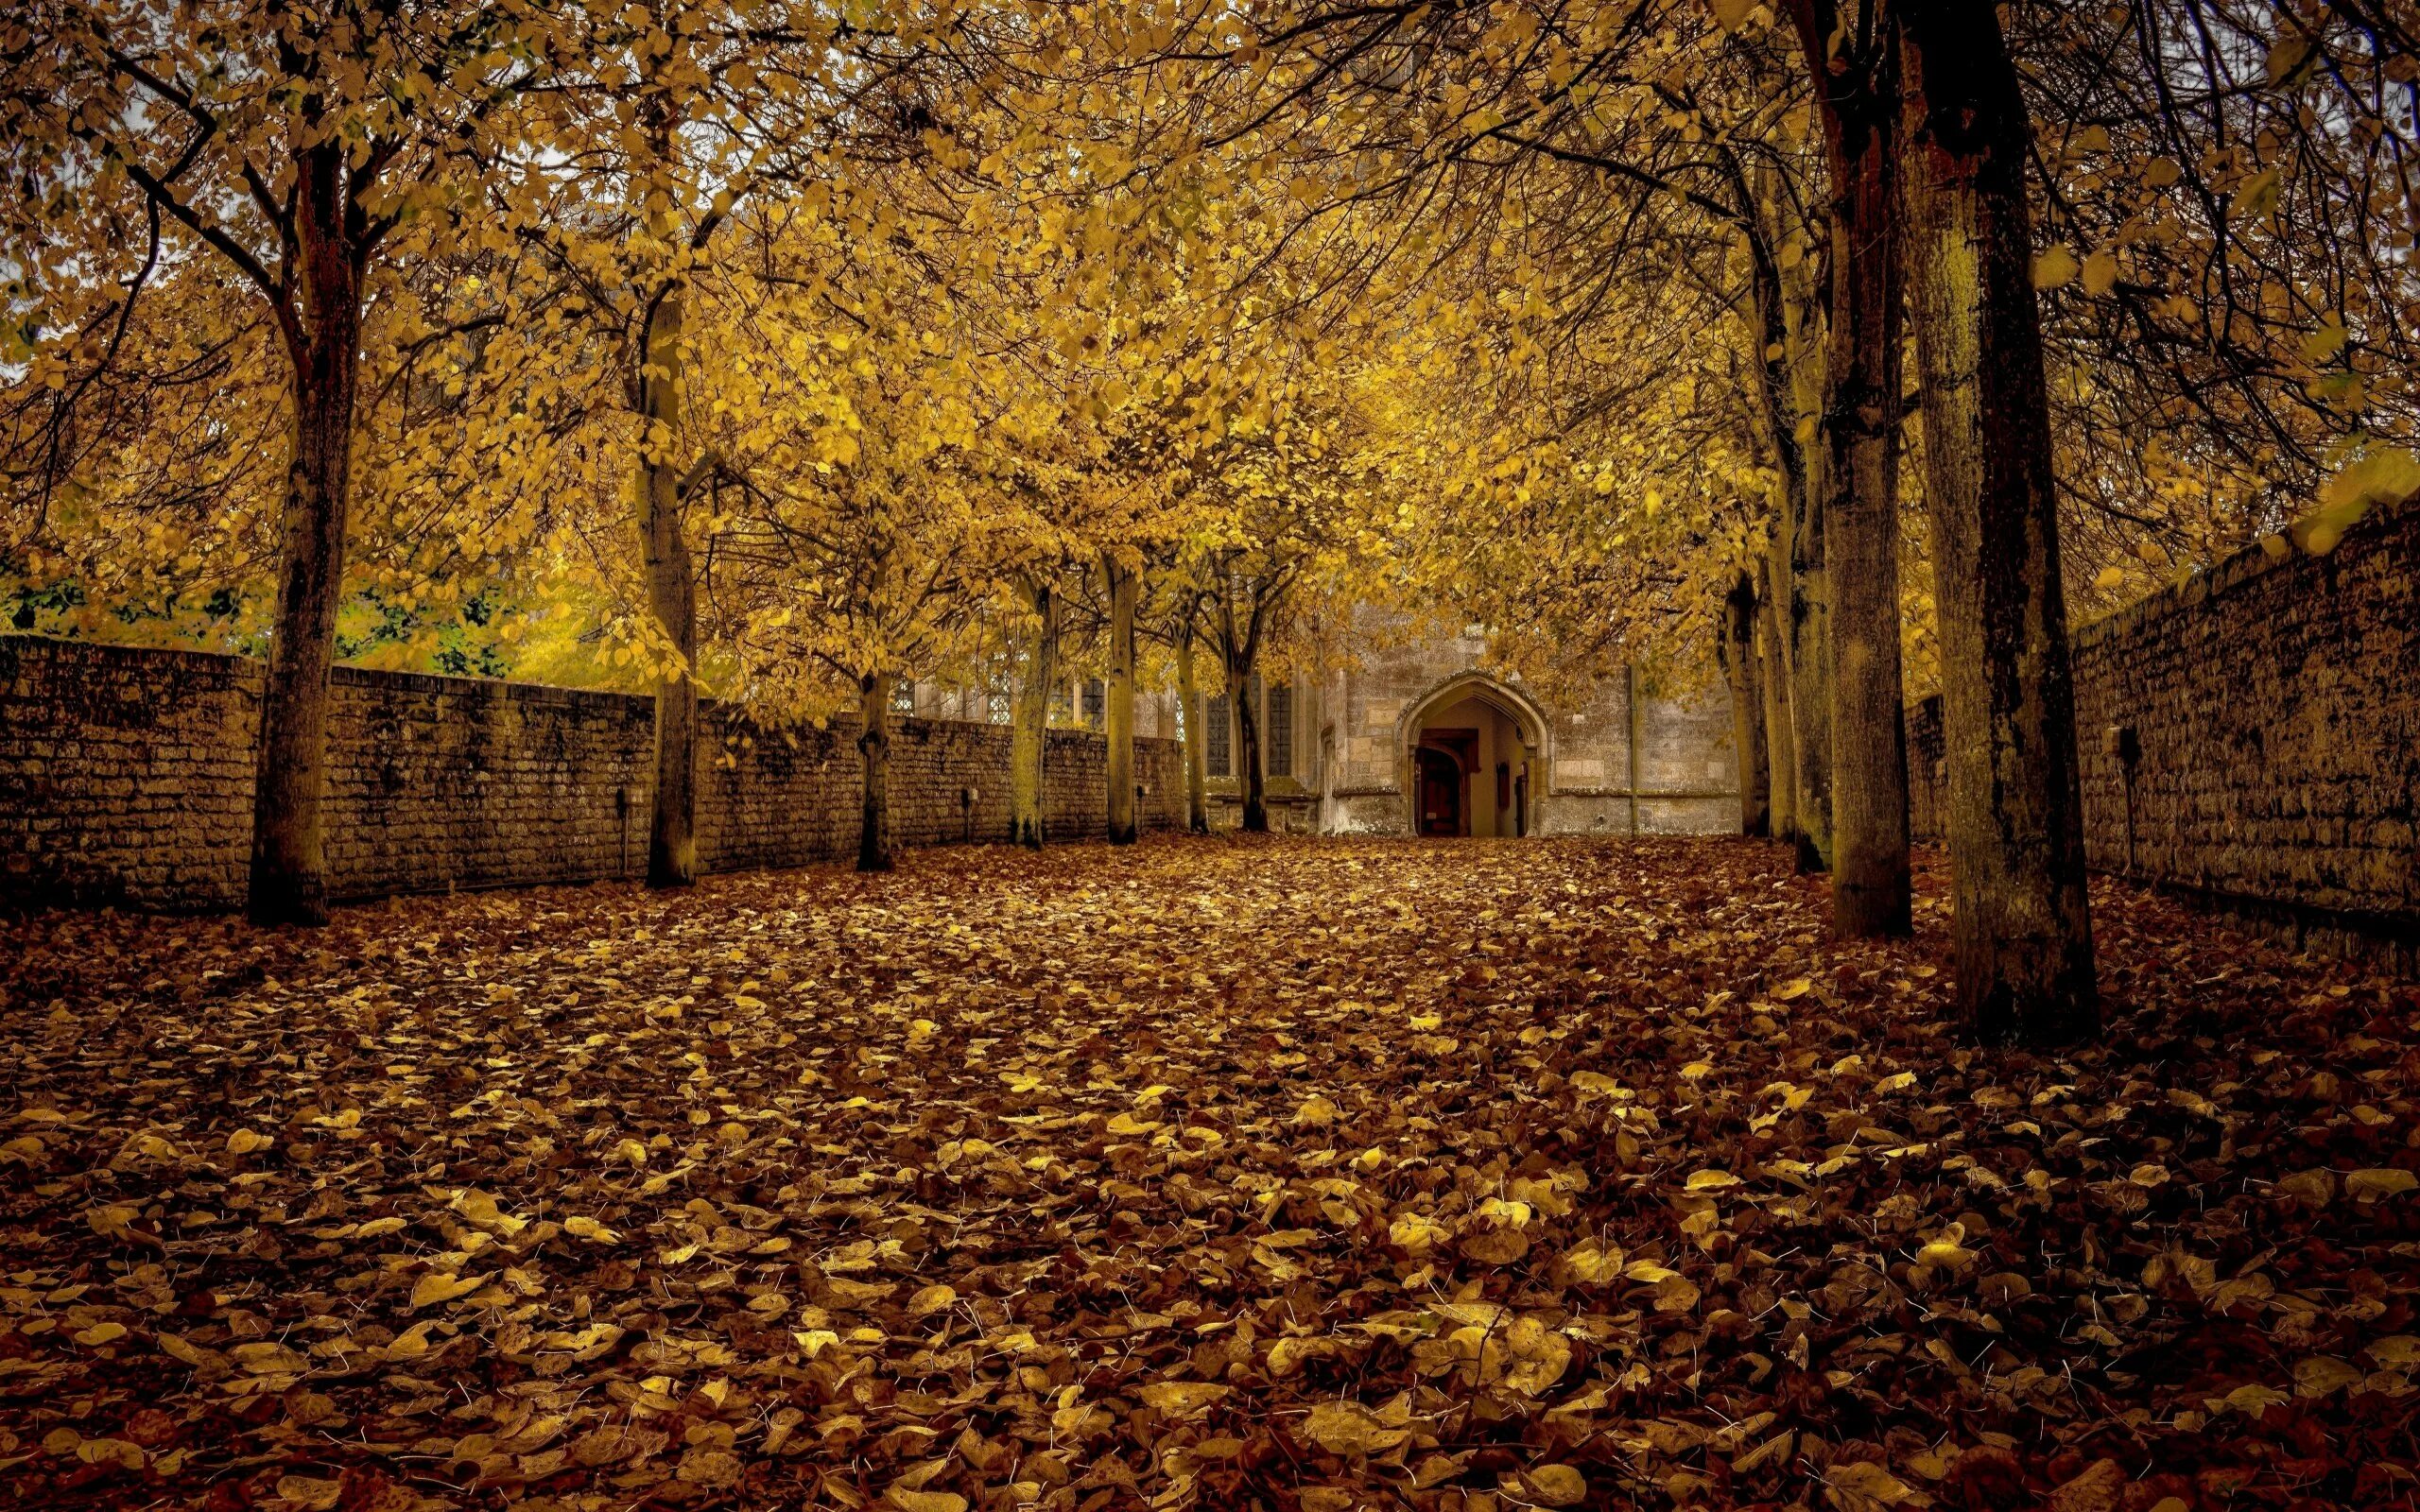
pixel 1592 1265
pixel 2320 1376
pixel 589 1229
pixel 2101 273
pixel 1945 1254
pixel 1732 15
pixel 1349 1428
pixel 2386 1182
pixel 100 1333
pixel 1556 1485
pixel 443 1287
pixel 245 1141
pixel 1866 1478
pixel 2111 577
pixel 2054 268
pixel 1182 1398
pixel 2257 198
pixel 1711 1180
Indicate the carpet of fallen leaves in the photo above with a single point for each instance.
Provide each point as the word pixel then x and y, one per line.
pixel 1222 1173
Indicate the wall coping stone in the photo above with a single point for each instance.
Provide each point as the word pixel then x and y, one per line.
pixel 2230 574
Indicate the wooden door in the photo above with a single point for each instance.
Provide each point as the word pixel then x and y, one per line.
pixel 1441 794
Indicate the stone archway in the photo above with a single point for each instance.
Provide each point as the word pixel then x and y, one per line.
pixel 1497 734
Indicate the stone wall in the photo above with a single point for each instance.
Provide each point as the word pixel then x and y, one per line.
pixel 2274 710
pixel 125 777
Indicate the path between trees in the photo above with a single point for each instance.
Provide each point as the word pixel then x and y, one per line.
pixel 1305 1173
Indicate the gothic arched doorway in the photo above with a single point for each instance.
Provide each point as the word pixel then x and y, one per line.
pixel 1475 759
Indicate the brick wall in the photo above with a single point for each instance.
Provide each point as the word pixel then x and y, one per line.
pixel 125 777
pixel 2275 703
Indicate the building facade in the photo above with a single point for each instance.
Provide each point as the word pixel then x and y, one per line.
pixel 1413 735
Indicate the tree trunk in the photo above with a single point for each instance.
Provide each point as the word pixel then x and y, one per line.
pixel 1029 736
pixel 1189 692
pixel 1789 395
pixel 1248 753
pixel 873 757
pixel 1123 584
pixel 1810 673
pixel 1739 646
pixel 672 595
pixel 2022 932
pixel 1781 752
pixel 289 882
pixel 1859 504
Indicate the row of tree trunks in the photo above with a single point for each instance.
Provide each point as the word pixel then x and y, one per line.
pixel 1742 671
pixel 2022 934
pixel 1926 141
pixel 1028 737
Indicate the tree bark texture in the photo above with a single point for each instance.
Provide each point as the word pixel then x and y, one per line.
pixel 873 757
pixel 1189 692
pixel 1810 675
pixel 288 881
pixel 1739 646
pixel 2022 933
pixel 1028 733
pixel 1123 584
pixel 1240 679
pixel 1781 752
pixel 672 596
pixel 1859 503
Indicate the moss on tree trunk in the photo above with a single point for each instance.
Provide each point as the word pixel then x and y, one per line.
pixel 2022 933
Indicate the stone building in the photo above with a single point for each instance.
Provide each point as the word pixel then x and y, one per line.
pixel 1414 736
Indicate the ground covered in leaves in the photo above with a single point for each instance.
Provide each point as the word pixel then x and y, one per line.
pixel 1225 1174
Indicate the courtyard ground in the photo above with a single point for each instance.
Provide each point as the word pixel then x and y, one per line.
pixel 1216 1173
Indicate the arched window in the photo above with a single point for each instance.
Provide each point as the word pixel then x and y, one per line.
pixel 1217 747
pixel 1280 704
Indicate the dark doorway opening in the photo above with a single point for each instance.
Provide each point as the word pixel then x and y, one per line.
pixel 1440 792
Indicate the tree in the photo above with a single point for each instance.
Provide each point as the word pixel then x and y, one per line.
pixel 295 145
pixel 1122 585
pixel 1189 692
pixel 1737 646
pixel 2022 931
pixel 1029 710
pixel 1853 52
